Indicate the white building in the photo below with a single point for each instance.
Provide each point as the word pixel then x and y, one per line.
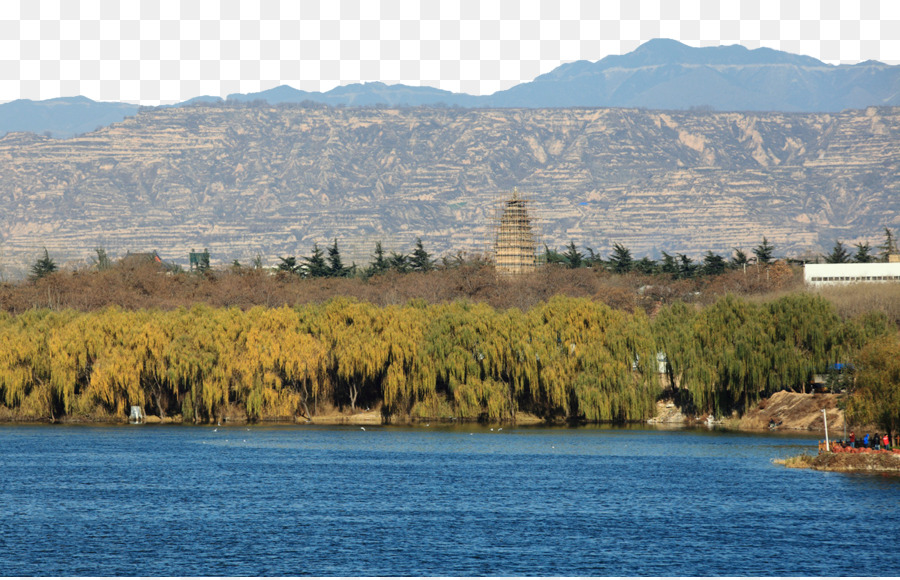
pixel 823 274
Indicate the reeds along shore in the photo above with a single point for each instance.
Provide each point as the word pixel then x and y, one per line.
pixel 562 359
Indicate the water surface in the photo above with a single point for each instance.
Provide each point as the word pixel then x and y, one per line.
pixel 435 501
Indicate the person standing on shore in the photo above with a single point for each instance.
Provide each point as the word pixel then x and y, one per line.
pixel 886 442
pixel 852 439
pixel 866 440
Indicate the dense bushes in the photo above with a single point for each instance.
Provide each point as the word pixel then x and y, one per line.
pixel 565 358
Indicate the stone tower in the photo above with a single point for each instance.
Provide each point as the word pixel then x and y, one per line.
pixel 515 237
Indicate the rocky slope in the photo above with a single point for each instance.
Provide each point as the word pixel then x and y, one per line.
pixel 244 180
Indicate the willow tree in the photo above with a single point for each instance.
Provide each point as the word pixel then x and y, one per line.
pixel 876 396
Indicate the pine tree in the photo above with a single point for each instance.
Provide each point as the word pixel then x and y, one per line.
pixel 379 265
pixel 420 261
pixel 713 264
pixel 288 265
pixel 399 262
pixel 620 261
pixel 552 256
pixel 572 257
pixel 315 266
pixel 335 265
pixel 764 251
pixel 838 255
pixel 668 266
pixel 645 266
pixel 739 260
pixel 889 246
pixel 862 255
pixel 43 266
pixel 686 267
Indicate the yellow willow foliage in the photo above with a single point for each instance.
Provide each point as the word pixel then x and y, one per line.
pixel 482 399
pixel 411 374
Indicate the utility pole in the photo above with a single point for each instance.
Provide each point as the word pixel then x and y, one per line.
pixel 825 419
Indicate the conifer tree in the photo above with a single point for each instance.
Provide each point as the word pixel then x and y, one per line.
pixel 668 266
pixel 739 259
pixel 379 265
pixel 315 266
pixel 713 264
pixel 572 257
pixel 764 252
pixel 287 265
pixel 862 255
pixel 838 255
pixel 420 261
pixel 889 246
pixel 620 261
pixel 335 265
pixel 43 266
pixel 645 266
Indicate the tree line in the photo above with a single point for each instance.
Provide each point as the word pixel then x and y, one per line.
pixel 569 359
pixel 328 263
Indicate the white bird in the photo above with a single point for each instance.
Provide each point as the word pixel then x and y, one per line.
pixel 363 428
pixel 500 429
pixel 215 430
pixel 492 428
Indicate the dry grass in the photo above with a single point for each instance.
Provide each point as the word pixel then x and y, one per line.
pixel 146 286
pixel 846 462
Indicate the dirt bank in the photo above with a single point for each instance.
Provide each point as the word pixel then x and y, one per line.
pixel 796 411
pixel 788 411
pixel 846 462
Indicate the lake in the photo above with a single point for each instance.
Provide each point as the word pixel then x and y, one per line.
pixel 461 500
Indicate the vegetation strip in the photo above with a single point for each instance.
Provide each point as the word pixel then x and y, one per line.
pixel 564 359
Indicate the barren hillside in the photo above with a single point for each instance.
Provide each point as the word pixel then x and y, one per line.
pixel 260 179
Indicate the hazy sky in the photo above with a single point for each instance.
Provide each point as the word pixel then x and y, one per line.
pixel 165 51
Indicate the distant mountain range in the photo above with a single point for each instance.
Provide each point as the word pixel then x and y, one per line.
pixel 659 74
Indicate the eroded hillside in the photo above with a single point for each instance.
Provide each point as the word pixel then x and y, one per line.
pixel 247 180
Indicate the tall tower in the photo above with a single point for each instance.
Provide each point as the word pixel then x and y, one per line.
pixel 515 238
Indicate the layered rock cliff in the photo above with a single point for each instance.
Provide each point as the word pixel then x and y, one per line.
pixel 272 180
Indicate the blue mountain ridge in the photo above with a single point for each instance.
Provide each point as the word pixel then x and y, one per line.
pixel 659 74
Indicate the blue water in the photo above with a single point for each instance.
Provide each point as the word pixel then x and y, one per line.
pixel 460 501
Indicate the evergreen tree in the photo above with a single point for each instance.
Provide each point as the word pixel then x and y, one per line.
pixel 838 255
pixel 288 265
pixel 862 255
pixel 592 259
pixel 420 261
pixel 552 256
pixel 645 266
pixel 686 267
pixel 335 265
pixel 379 265
pixel 620 261
pixel 739 260
pixel 668 266
pixel 315 266
pixel 889 246
pixel 764 252
pixel 713 264
pixel 43 266
pixel 399 262
pixel 572 257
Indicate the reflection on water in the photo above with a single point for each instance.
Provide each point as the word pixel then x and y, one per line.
pixel 437 500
